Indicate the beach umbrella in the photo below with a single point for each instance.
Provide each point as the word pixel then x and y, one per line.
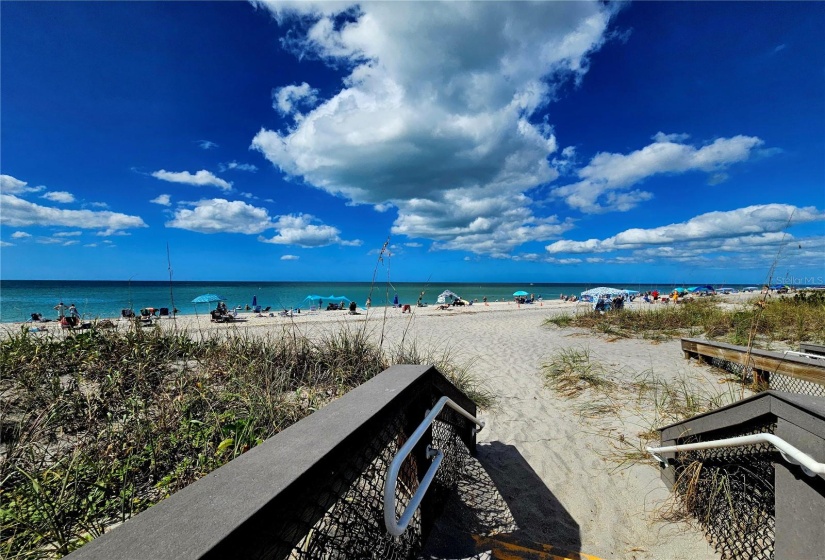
pixel 520 293
pixel 255 301
pixel 442 297
pixel 208 298
pixel 602 291
pixel 701 289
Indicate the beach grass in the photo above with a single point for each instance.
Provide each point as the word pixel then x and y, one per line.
pixel 788 320
pixel 97 427
pixel 627 407
pixel 570 371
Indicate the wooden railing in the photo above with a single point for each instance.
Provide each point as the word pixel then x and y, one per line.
pixel 763 362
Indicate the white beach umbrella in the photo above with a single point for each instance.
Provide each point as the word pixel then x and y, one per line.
pixel 603 291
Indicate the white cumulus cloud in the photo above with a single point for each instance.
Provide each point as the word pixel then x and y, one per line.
pixel 290 257
pixel 20 235
pixel 303 231
pixel 162 199
pixel 10 185
pixel 219 215
pixel 712 228
pixel 59 196
pixel 436 108
pixel 21 213
pixel 288 98
pixel 201 178
pixel 606 179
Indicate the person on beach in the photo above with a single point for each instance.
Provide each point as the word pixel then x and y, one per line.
pixel 395 301
pixel 73 312
pixel 369 302
pixel 61 310
pixel 484 299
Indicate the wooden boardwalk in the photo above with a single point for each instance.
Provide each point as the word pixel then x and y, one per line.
pixel 763 362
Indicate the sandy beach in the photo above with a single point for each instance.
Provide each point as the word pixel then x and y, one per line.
pixel 613 507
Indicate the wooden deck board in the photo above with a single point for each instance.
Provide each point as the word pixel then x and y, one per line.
pixel 760 360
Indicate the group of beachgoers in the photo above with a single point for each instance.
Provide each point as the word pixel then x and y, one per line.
pixel 67 316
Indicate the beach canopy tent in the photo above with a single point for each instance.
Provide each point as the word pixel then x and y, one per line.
pixel 443 296
pixel 315 300
pixel 520 293
pixel 705 288
pixel 603 291
pixel 780 286
pixel 208 298
pixel 680 290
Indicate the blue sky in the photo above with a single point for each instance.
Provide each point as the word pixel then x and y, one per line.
pixel 548 142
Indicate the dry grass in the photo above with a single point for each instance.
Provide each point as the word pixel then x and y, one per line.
pixel 570 372
pixel 627 414
pixel 99 426
pixel 787 319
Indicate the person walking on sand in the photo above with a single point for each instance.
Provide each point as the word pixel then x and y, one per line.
pixel 61 310
pixel 484 299
pixel 73 312
pixel 369 302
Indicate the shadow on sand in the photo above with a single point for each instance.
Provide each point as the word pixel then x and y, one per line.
pixel 502 498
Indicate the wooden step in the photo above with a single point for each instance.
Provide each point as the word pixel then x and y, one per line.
pixel 503 547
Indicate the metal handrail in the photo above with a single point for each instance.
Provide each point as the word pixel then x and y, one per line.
pixel 790 453
pixel 802 355
pixel 397 527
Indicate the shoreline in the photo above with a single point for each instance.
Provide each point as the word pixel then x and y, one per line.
pixel 251 320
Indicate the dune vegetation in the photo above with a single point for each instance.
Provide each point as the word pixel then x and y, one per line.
pixel 99 426
pixel 788 320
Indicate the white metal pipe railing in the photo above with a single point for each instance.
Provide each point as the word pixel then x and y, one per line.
pixel 790 453
pixel 395 526
pixel 803 355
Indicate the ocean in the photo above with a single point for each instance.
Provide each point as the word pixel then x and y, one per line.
pixel 105 299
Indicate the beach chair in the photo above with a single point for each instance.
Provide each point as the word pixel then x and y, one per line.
pixel 164 312
pixel 127 313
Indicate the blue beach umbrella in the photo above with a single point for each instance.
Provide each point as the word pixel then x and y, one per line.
pixel 680 290
pixel 208 298
pixel 520 293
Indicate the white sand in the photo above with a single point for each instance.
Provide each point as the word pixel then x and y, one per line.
pixel 507 344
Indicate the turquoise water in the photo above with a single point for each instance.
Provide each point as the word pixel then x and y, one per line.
pixel 98 299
